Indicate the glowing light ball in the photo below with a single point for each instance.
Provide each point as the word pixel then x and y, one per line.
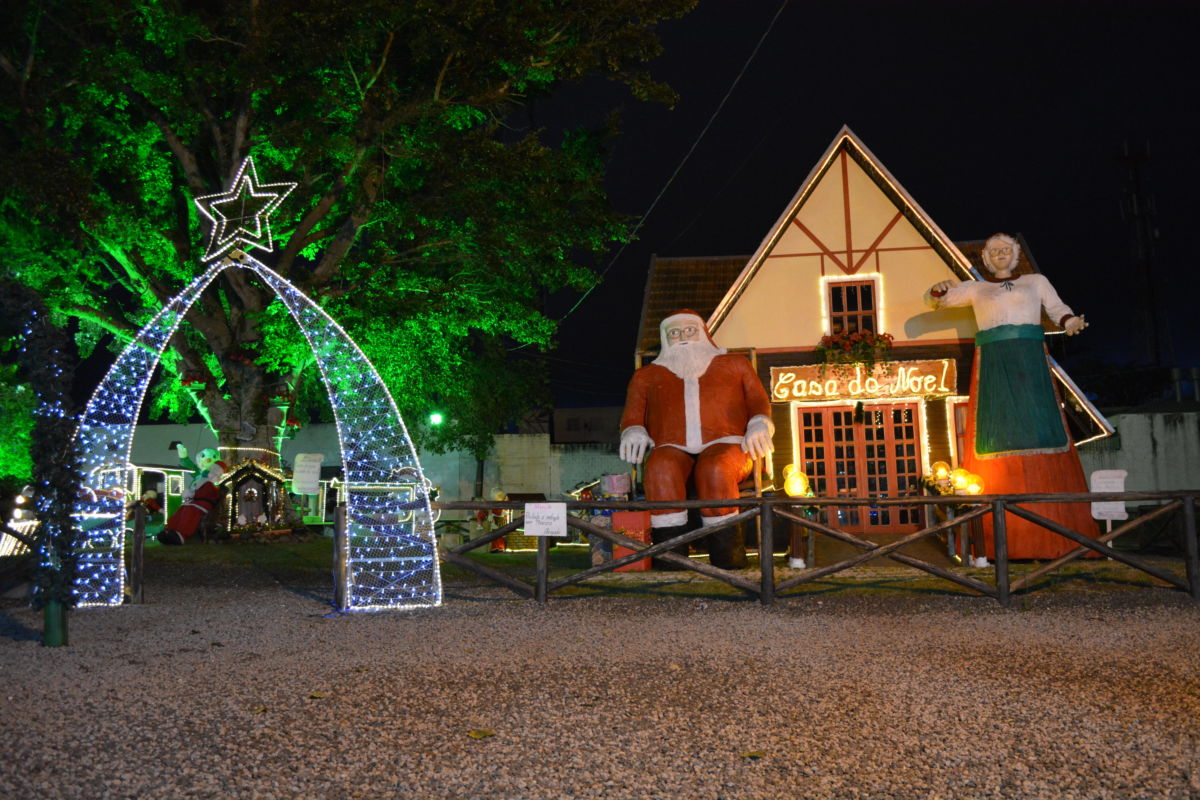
pixel 940 470
pixel 958 479
pixel 796 485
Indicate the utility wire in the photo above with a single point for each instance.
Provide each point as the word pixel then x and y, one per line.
pixel 612 262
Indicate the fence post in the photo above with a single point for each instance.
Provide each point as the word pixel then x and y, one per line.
pixel 543 569
pixel 1190 544
pixel 1000 535
pixel 137 556
pixel 766 552
pixel 341 548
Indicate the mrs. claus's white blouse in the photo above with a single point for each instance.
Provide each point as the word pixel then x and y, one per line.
pixel 1017 301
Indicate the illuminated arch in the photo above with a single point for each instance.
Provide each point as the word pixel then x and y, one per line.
pixel 391 551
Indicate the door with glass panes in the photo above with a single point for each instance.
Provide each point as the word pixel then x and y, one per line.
pixel 875 456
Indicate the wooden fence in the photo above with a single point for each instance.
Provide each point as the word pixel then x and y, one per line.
pixel 768 510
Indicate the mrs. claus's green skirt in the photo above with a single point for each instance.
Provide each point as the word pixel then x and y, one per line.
pixel 1016 409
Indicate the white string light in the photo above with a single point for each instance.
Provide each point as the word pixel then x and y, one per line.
pixel 392 556
pixel 242 214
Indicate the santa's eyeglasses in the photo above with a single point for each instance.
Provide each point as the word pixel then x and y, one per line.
pixel 686 332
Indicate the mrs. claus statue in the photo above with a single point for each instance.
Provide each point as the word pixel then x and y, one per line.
pixel 704 416
pixel 1017 438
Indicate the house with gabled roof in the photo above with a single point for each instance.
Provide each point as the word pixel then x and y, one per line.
pixel 851 251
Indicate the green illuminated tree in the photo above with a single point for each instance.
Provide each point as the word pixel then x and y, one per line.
pixel 17 403
pixel 428 221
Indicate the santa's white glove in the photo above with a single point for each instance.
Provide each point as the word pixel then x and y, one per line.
pixel 1074 325
pixel 757 441
pixel 635 441
pixel 181 451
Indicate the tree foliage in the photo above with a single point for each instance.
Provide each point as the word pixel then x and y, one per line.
pixel 427 221
pixel 17 404
pixel 44 361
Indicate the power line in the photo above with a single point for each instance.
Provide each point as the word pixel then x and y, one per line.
pixel 612 262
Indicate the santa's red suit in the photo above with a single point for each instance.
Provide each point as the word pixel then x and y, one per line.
pixel 201 496
pixel 704 428
pixel 187 518
pixel 708 434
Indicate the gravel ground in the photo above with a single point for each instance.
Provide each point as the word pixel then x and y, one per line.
pixel 243 685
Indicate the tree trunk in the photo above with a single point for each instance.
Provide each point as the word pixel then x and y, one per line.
pixel 248 431
pixel 253 441
pixel 246 414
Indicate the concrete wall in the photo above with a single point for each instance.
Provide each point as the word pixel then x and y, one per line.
pixel 523 463
pixel 588 425
pixel 1160 451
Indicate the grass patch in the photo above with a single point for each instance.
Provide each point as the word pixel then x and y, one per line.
pixel 314 553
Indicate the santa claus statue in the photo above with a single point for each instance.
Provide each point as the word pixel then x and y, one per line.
pixel 704 416
pixel 199 498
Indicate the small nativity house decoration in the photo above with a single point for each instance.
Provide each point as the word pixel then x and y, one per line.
pixel 255 500
pixel 869 387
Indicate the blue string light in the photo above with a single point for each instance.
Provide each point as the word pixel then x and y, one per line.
pixel 392 553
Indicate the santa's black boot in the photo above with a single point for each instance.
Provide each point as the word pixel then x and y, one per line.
pixel 727 548
pixel 170 537
pixel 661 535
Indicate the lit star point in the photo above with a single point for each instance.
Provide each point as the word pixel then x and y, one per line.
pixel 242 213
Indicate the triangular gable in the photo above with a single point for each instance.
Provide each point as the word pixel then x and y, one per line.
pixel 851 219
pixel 847 211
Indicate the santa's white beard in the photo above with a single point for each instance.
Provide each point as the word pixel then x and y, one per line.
pixel 688 359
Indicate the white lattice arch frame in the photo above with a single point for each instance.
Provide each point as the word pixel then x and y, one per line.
pixel 391 550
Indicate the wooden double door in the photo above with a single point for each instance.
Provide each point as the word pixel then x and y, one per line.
pixel 877 455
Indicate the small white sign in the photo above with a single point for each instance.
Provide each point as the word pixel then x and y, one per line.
pixel 545 519
pixel 306 473
pixel 1109 480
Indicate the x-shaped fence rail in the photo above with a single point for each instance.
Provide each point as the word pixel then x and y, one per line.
pixel 766 509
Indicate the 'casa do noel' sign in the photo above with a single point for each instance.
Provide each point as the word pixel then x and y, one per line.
pixel 856 382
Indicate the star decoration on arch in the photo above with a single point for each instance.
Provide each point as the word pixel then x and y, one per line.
pixel 242 213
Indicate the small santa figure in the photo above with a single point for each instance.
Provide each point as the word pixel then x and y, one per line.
pixel 149 502
pixel 199 498
pixel 707 417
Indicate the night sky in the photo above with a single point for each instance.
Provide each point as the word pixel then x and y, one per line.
pixel 995 116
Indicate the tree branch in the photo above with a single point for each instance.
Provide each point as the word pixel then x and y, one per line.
pixel 214 127
pixel 10 70
pixel 437 87
pixel 22 77
pixel 241 126
pixel 135 273
pixel 187 159
pixel 250 297
pixel 112 323
pixel 219 337
pixel 297 241
pixel 331 259
pixel 192 361
pixel 382 62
